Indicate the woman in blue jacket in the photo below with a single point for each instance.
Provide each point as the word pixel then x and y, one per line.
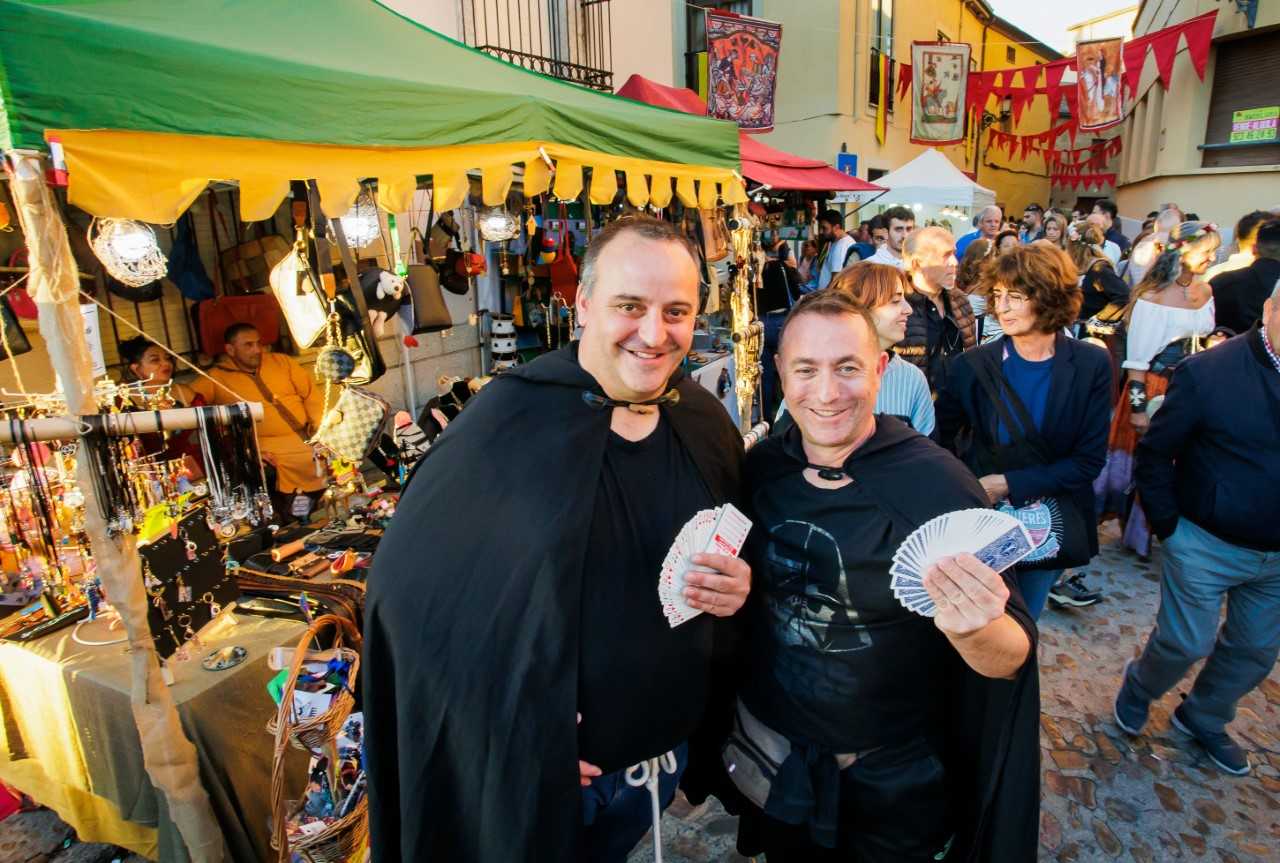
pixel 1029 414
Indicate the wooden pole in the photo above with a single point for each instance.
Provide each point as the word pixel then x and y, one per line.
pixel 167 754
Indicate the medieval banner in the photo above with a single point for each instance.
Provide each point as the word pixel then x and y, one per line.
pixel 1099 71
pixel 742 69
pixel 940 79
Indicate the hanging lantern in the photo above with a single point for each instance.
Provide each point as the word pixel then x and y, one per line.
pixel 361 224
pixel 497 224
pixel 128 250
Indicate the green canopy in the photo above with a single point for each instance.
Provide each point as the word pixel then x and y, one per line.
pixel 340 73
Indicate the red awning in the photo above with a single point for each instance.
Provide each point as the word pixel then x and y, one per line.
pixel 760 162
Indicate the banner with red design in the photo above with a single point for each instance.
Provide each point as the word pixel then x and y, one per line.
pixel 742 69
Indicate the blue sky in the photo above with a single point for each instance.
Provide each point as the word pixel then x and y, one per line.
pixel 1048 21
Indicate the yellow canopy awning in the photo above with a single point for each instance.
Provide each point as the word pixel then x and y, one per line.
pixel 154 176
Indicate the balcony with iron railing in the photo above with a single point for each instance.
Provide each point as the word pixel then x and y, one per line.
pixel 567 39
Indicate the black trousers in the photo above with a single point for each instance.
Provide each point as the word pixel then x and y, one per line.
pixel 893 809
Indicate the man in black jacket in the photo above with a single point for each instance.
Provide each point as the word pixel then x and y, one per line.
pixel 864 731
pixel 513 624
pixel 1238 295
pixel 1208 472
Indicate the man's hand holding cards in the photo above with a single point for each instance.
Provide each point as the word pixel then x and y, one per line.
pixel 949 567
pixel 702 571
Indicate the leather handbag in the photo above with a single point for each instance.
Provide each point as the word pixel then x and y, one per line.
pixel 294 286
pixel 430 314
pixel 369 363
pixel 563 270
pixel 354 425
pixel 715 235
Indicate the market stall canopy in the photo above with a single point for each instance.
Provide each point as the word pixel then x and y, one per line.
pixel 152 99
pixel 931 178
pixel 760 162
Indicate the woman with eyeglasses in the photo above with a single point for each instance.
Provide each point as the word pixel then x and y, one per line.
pixel 1032 408
pixel 1168 315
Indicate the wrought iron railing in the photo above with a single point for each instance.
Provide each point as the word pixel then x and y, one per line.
pixel 567 39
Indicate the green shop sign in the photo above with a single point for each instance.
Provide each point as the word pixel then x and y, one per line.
pixel 1255 124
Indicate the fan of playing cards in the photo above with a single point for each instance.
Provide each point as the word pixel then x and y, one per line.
pixel 997 539
pixel 712 531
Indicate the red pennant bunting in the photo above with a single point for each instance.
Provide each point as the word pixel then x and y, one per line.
pixel 1165 47
pixel 1023 96
pixel 1135 55
pixel 904 80
pixel 979 88
pixel 1053 83
pixel 1199 33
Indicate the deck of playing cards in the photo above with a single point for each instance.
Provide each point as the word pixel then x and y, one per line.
pixel 997 539
pixel 711 531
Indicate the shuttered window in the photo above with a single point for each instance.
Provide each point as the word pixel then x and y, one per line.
pixel 1247 76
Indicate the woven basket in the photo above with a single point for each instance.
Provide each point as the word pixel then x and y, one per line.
pixel 337 842
pixel 312 734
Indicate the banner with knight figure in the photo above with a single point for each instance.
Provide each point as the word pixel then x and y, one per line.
pixel 742 69
pixel 1099 69
pixel 941 77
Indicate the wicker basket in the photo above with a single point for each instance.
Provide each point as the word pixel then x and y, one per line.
pixel 312 734
pixel 337 842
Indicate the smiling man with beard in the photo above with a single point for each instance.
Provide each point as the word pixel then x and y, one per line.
pixel 513 626
pixel 864 731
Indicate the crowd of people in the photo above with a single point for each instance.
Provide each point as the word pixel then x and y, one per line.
pixel 1022 368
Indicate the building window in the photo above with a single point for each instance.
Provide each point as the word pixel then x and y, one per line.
pixel 881 44
pixel 695 55
pixel 567 39
pixel 1247 76
pixel 1010 55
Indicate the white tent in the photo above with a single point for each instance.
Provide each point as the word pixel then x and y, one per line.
pixel 928 179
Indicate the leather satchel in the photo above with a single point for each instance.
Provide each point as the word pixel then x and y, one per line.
pixel 353 426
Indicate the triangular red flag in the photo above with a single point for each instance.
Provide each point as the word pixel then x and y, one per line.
pixel 1199 33
pixel 1053 85
pixel 1135 55
pixel 904 80
pixel 979 88
pixel 1023 96
pixel 1165 46
pixel 1011 144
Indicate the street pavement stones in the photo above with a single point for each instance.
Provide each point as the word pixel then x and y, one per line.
pixel 1104 796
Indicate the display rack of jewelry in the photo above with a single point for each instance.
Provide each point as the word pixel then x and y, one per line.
pixel 188 583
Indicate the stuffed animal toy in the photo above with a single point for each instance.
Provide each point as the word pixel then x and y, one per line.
pixel 384 293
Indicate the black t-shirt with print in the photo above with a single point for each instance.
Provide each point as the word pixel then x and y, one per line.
pixel 837 660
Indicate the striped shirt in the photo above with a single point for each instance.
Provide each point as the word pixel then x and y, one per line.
pixel 904 393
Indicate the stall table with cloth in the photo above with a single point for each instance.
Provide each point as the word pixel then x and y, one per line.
pixel 71 743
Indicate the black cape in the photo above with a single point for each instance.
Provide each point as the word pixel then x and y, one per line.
pixel 471 640
pixel 992 750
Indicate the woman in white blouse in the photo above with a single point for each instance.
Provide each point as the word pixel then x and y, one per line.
pixel 1169 312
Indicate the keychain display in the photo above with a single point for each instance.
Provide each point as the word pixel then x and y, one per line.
pixel 233 469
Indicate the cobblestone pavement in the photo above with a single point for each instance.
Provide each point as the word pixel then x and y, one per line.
pixel 1104 795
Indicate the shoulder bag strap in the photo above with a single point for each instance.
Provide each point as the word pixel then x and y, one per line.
pixel 298 428
pixel 993 382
